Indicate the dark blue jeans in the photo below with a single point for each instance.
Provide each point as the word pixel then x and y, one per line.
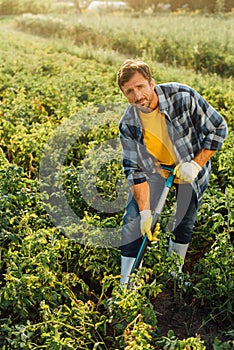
pixel 181 226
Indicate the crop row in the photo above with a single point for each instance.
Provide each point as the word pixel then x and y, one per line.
pixel 211 54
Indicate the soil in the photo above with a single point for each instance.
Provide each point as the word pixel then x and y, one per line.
pixel 179 313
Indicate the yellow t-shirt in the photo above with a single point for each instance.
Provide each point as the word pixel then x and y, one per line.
pixel 157 139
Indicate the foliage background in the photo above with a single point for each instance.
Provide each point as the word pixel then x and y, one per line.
pixel 55 292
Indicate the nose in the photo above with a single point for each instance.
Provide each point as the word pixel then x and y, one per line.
pixel 137 95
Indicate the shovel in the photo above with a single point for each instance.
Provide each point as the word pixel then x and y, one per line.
pixel 157 212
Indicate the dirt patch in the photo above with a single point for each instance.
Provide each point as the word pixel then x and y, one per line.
pixel 177 311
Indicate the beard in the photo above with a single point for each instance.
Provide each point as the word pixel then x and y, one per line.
pixel 144 105
pixel 142 108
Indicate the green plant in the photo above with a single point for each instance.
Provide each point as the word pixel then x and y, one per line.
pixel 220 345
pixel 137 335
pixel 214 283
pixel 127 308
pixel 171 342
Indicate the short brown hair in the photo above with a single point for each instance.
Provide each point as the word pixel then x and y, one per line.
pixel 129 68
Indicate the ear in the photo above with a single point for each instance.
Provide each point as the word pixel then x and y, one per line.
pixel 152 83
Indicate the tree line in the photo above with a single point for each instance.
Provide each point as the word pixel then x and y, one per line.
pixel 211 6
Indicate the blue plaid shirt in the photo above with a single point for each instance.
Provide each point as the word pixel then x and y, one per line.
pixel 192 124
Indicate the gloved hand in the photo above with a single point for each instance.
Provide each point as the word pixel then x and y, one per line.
pixel 154 237
pixel 187 171
pixel 146 222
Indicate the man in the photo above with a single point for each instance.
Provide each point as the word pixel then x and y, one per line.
pixel 169 124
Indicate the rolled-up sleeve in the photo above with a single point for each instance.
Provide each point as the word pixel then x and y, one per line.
pixel 130 156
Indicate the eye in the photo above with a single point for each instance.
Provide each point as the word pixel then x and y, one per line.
pixel 128 92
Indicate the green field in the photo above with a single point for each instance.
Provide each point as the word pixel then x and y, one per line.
pixel 59 112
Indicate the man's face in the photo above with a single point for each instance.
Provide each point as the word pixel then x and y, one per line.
pixel 140 92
